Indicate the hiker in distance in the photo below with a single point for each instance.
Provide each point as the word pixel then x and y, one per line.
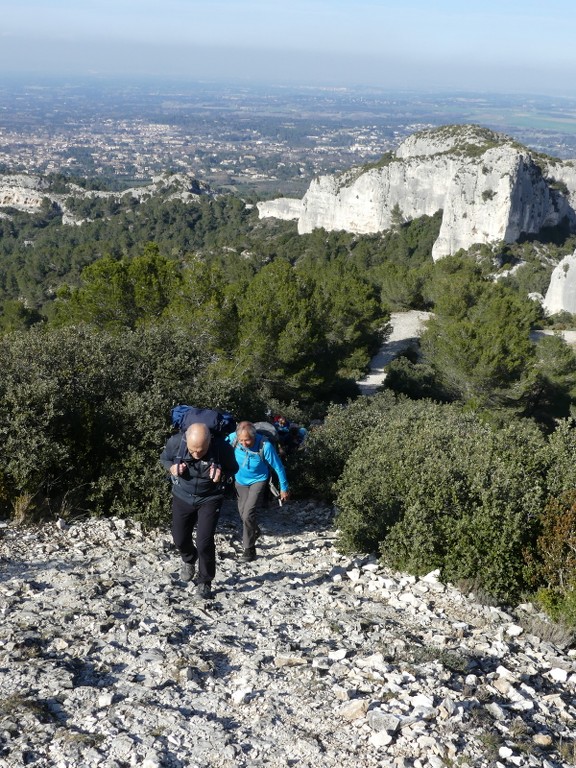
pixel 255 455
pixel 200 467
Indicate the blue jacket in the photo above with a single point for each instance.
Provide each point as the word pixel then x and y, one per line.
pixel 252 469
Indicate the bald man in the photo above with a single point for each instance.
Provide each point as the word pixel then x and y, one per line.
pixel 200 468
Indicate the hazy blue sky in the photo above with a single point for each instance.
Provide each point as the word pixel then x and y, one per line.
pixel 502 45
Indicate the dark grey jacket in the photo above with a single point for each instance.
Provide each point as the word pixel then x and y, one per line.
pixel 194 485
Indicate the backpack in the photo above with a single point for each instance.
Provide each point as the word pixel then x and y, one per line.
pixel 219 423
pixel 266 431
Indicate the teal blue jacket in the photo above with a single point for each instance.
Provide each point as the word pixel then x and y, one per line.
pixel 252 467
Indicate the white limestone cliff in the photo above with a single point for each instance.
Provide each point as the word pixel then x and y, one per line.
pixel 23 192
pixel 490 189
pixel 561 293
pixel 286 208
pixel 28 193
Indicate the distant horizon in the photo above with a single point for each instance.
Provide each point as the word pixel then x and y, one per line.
pixel 39 78
pixel 517 47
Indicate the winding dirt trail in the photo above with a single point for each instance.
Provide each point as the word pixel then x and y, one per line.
pixel 406 327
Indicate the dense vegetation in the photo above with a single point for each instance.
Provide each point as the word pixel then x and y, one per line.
pixel 431 485
pixel 464 463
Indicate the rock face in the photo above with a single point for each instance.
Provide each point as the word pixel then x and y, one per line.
pixel 561 293
pixel 489 188
pixel 304 657
pixel 25 193
pixel 29 193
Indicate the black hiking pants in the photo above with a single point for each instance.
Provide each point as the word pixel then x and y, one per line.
pixel 203 517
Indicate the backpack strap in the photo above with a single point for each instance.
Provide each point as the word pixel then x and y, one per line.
pixel 179 458
pixel 263 441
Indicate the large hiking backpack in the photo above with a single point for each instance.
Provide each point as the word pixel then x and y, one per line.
pixel 268 431
pixel 220 423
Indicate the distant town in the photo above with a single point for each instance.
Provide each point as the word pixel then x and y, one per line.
pixel 266 140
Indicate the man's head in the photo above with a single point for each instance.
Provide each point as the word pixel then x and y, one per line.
pixel 246 434
pixel 197 440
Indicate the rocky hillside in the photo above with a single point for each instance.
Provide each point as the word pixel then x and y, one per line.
pixel 489 188
pixel 304 658
pixel 29 193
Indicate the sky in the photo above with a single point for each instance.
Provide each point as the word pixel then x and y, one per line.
pixel 492 46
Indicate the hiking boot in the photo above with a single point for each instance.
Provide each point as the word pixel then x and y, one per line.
pixel 257 533
pixel 249 554
pixel 203 591
pixel 187 572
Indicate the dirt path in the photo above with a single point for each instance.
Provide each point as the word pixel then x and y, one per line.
pixel 406 327
pixel 568 336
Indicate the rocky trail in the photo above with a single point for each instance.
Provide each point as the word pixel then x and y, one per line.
pixel 305 657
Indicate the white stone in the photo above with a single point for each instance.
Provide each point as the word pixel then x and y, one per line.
pixel 421 700
pixel 105 699
pixel 152 761
pixel 283 660
pixel 375 661
pixel 433 577
pixel 504 672
pixel 354 709
pixel 354 574
pixel 241 696
pixel 559 675
pixel 496 711
pixel 409 598
pixel 542 739
pixel 381 739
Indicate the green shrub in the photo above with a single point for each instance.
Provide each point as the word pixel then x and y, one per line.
pixel 561 450
pixel 413 379
pixel 561 607
pixel 329 446
pixel 84 416
pixel 556 545
pixel 436 487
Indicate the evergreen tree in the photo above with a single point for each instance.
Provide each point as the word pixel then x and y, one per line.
pixel 280 339
pixel 478 341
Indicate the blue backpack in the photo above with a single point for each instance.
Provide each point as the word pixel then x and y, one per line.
pixel 220 423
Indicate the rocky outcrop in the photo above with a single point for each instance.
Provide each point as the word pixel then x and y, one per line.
pixel 305 657
pixel 29 193
pixel 490 189
pixel 561 293
pixel 25 193
pixel 286 208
